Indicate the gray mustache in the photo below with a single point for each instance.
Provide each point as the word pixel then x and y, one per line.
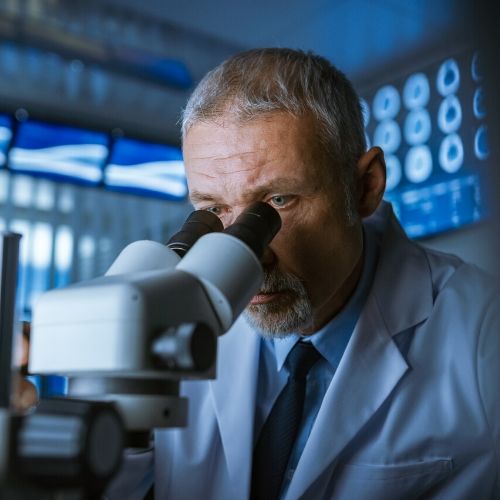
pixel 278 281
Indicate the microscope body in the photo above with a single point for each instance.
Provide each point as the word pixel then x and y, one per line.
pixel 107 326
pixel 131 337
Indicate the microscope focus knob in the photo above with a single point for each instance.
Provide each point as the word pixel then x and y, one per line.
pixel 68 443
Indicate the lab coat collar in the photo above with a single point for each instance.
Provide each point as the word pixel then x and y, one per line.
pixel 402 286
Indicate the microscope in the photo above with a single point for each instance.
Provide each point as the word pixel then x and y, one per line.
pixel 126 341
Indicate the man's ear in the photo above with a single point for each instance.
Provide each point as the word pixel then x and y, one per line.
pixel 370 181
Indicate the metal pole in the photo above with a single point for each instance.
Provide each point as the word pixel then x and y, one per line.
pixel 9 261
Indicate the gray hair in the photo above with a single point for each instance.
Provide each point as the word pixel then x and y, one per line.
pixel 263 81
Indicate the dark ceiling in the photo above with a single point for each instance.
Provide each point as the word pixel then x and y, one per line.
pixel 357 35
pixel 95 62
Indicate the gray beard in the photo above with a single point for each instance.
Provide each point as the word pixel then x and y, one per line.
pixel 286 315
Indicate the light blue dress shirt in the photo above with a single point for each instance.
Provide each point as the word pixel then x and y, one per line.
pixel 331 342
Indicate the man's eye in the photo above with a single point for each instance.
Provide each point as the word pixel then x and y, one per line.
pixel 214 210
pixel 280 200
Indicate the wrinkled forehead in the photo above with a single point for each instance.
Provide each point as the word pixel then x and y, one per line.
pixel 229 137
pixel 238 154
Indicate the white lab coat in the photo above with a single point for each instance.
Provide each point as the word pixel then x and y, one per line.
pixel 413 409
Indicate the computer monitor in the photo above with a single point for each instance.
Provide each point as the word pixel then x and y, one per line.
pixel 144 168
pixel 431 125
pixel 59 152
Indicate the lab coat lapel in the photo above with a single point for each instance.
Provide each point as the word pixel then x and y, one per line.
pixel 234 395
pixel 372 364
pixel 368 372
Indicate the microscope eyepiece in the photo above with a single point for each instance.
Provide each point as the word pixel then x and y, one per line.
pixel 228 262
pixel 197 224
pixel 256 226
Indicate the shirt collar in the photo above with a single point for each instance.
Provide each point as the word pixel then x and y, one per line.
pixel 333 338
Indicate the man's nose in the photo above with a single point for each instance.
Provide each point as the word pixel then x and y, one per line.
pixel 230 218
pixel 268 258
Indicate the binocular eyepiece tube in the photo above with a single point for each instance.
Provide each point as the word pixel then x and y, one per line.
pixel 228 262
pixel 256 226
pixel 198 223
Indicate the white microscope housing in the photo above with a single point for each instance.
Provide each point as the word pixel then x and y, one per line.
pixel 152 320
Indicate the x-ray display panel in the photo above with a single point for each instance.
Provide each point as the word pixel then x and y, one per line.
pixel 431 125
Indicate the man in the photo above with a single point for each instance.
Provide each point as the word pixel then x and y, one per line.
pixel 402 400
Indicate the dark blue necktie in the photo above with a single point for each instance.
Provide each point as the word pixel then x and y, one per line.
pixel 280 430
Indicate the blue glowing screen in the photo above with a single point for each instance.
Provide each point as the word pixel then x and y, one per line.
pixel 431 125
pixel 59 152
pixel 5 137
pixel 146 169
